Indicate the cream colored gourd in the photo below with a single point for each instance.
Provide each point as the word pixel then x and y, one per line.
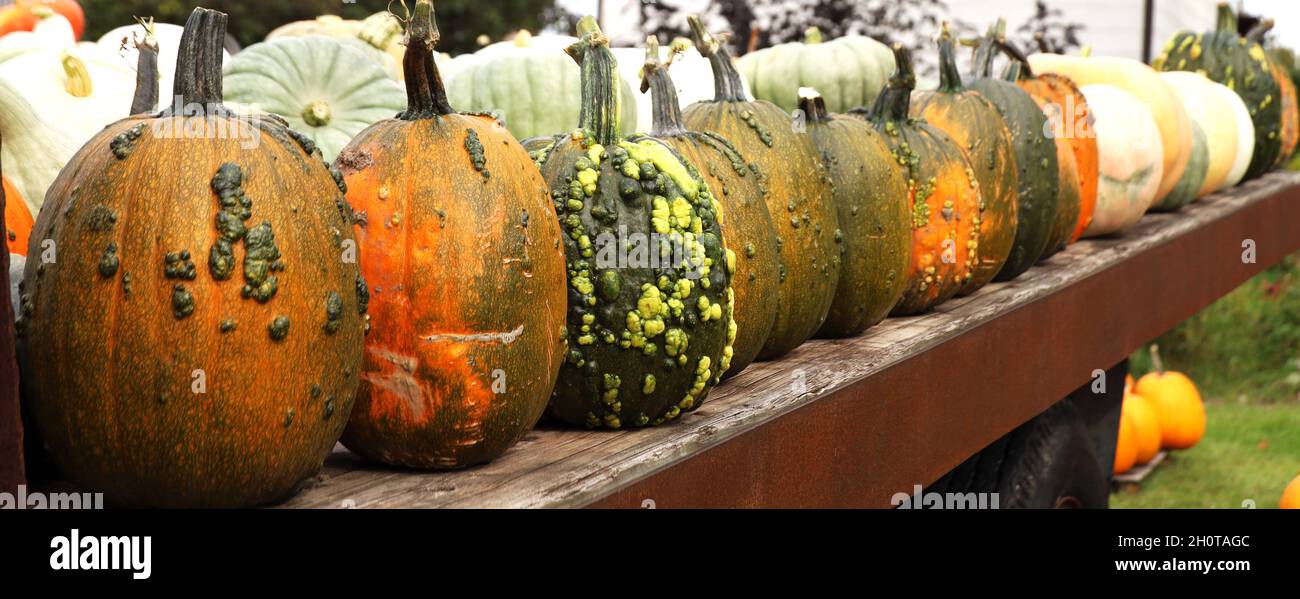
pixel 1245 134
pixel 34 150
pixel 51 32
pixel 83 88
pixel 120 42
pixel 1130 155
pixel 1143 83
pixel 324 87
pixel 1209 110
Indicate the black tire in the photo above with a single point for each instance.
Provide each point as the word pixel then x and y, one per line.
pixel 1048 462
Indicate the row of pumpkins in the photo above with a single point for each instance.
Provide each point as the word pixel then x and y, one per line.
pixel 223 340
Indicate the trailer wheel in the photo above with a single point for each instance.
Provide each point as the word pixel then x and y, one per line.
pixel 1047 462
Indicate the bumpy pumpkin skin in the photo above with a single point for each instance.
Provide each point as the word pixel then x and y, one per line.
pixel 273 341
pixel 647 338
pixel 1036 160
pixel 870 192
pixel 466 271
pixel 1241 64
pixel 18 220
pixel 739 186
pixel 799 197
pixel 1070 124
pixel 976 126
pixel 943 196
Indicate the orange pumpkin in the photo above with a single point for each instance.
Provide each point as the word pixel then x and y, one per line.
pixel 1291 496
pixel 1126 448
pixel 463 252
pixel 1072 122
pixel 18 220
pixel 23 15
pixel 1177 404
pixel 1146 426
pixel 1290 115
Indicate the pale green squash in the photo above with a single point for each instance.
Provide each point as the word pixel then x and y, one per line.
pixel 848 72
pixel 532 85
pixel 1190 183
pixel 323 87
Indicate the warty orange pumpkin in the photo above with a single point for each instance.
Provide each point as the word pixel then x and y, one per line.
pixel 468 300
pixel 975 125
pixel 203 290
pixel 943 195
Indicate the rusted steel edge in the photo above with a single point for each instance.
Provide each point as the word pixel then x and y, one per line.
pixel 907 425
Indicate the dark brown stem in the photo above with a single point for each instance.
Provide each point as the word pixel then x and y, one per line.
pixel 1018 68
pixel 894 103
pixel 426 97
pixel 198 66
pixel 664 103
pixel 987 50
pixel 146 72
pixel 727 84
pixel 813 106
pixel 1261 29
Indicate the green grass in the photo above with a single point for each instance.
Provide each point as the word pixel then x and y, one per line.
pixel 1250 451
pixel 1244 350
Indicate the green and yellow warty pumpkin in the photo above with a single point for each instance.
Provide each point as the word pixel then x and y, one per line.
pixel 848 72
pixel 976 126
pixel 1240 63
pixel 943 196
pixel 1131 158
pixel 739 186
pixel 531 85
pixel 799 197
pixel 650 326
pixel 870 192
pixel 1036 156
pixel 322 87
pixel 202 291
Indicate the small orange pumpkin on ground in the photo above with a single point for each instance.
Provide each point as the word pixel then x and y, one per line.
pixel 1291 496
pixel 1177 404
pixel 18 220
pixel 1126 447
pixel 1146 426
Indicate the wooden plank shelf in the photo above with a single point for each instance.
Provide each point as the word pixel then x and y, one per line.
pixel 851 422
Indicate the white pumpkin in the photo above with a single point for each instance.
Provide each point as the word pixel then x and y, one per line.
pixel 1130 155
pixel 51 32
pixel 1245 135
pixel 692 75
pixel 120 42
pixel 1209 110
pixel 34 150
pixel 323 87
pixel 83 89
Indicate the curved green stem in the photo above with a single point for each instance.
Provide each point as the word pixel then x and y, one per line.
pixel 601 93
pixel 949 77
pixel 895 101
pixel 1227 19
pixel 664 103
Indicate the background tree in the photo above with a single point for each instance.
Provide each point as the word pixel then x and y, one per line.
pixel 1048 31
pixel 251 20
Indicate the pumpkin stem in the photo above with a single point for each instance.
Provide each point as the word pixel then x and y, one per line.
pixel 1155 358
pixel 601 93
pixel 1257 33
pixel 1227 19
pixel 425 95
pixel 76 78
pixel 655 79
pixel 1041 41
pixel 949 77
pixel 1018 69
pixel 146 71
pixel 727 84
pixel 198 65
pixel 987 49
pixel 813 35
pixel 894 102
pixel 813 105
